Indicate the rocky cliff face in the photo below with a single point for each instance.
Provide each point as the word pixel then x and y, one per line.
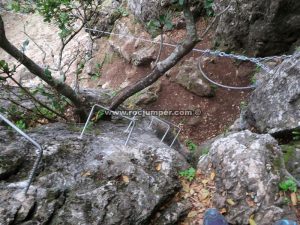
pixel 94 180
pixel 261 27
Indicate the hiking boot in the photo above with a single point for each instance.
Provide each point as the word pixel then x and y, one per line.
pixel 213 217
pixel 286 222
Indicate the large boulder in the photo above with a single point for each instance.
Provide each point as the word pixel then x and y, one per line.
pixel 261 27
pixel 93 180
pixel 246 177
pixel 128 47
pixel 274 106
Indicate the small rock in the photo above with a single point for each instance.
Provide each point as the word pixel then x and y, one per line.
pixel 190 77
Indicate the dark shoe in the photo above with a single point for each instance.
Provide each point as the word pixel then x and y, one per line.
pixel 213 217
pixel 286 222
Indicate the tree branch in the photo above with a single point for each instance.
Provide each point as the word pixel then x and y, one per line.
pixel 59 86
pixel 36 100
pixel 39 47
pixel 163 66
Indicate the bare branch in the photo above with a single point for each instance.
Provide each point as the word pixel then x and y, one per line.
pixel 42 50
pixel 59 86
pixel 214 20
pixel 36 100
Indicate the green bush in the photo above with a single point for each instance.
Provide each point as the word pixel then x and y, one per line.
pixel 288 185
pixel 21 124
pixel 208 5
pixel 191 145
pixel 189 174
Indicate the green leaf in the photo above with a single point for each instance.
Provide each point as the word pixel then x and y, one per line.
pixel 162 18
pixel 4 66
pixel 25 43
pixel 191 145
pixel 288 185
pixel 189 174
pixel 48 73
pixel 154 24
pixel 21 124
pixel 99 115
pixel 2 63
pixel 208 5
pixel 169 25
pixel 181 2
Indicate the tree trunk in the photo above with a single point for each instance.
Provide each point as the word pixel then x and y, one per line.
pixel 162 67
pixel 59 86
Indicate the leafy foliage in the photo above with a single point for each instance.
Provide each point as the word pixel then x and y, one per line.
pixel 205 151
pixel 288 185
pixel 4 67
pixel 51 10
pixel 66 13
pixel 21 124
pixel 99 114
pixel 123 11
pixel 56 102
pixel 48 73
pixel 156 26
pixel 191 145
pixel 21 6
pixel 189 174
pixel 15 6
pixel 208 5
